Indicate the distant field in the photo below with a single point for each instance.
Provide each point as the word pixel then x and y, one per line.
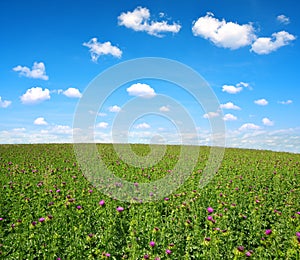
pixel 48 210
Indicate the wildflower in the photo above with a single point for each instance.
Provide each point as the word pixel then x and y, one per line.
pixel 146 256
pixel 101 202
pixel 166 199
pixel 107 254
pixel 298 234
pixel 152 243
pixel 120 209
pixel 168 252
pixel 207 239
pixel 298 212
pixel 50 217
pixel 210 210
pixel 90 235
pixel 58 191
pixel 209 218
pixel 241 248
pixel 41 219
pixel 79 207
pixel 268 232
pixel 90 191
pixel 1 219
pixel 33 223
pixel 136 184
pixel 248 254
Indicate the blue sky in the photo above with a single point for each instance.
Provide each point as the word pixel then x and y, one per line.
pixel 248 52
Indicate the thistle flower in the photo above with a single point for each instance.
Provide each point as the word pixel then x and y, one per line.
pixel 41 220
pixel 120 209
pixel 241 248
pixel 168 252
pixel 101 202
pixel 209 218
pixel 210 210
pixel 248 254
pixel 79 207
pixel 268 232
pixel 152 243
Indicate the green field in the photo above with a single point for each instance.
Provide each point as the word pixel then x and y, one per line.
pixel 48 210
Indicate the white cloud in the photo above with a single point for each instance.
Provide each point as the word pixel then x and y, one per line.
pixel 35 95
pixel 266 121
pixel 211 115
pixel 287 102
pixel 249 126
pixel 164 109
pixel 4 103
pixel 223 34
pixel 229 117
pixel 102 125
pixel 141 90
pixel 231 89
pixel 230 105
pixel 114 109
pixel 38 71
pixel 40 121
pixel 97 49
pixel 283 19
pixel 139 20
pixel 142 126
pixel 261 102
pixel 265 45
pixel 72 93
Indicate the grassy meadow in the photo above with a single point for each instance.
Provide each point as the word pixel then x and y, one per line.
pixel 48 209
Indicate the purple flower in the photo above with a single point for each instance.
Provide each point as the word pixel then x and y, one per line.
pixel 79 207
pixel 33 223
pixel 101 202
pixel 166 199
pixel 168 252
pixel 90 235
pixel 152 243
pixel 107 254
pixel 209 218
pixel 298 212
pixel 210 210
pixel 120 209
pixel 41 219
pixel 1 219
pixel 58 191
pixel 50 217
pixel 241 248
pixel 207 239
pixel 90 191
pixel 268 232
pixel 136 184
pixel 248 254
pixel 298 234
pixel 146 256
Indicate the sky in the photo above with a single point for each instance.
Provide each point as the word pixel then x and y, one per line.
pixel 247 51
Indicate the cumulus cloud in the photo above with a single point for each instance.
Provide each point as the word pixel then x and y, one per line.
pixel 139 20
pixel 223 34
pixel 97 49
pixel 102 125
pixel 211 115
pixel 287 102
pixel 114 109
pixel 40 121
pixel 35 95
pixel 4 103
pixel 231 89
pixel 141 90
pixel 283 19
pixel 230 105
pixel 72 93
pixel 266 121
pixel 142 126
pixel 38 71
pixel 229 117
pixel 265 45
pixel 249 126
pixel 164 109
pixel 261 102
